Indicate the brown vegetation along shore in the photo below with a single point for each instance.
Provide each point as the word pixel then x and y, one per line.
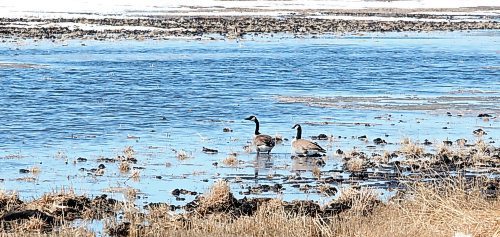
pixel 436 196
pixel 441 208
pixel 228 26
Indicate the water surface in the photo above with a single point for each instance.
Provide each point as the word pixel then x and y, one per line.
pixel 94 98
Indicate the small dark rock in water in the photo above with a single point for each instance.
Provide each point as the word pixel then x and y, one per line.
pixel 484 116
pixel 339 152
pixel 105 160
pixel 265 188
pixel 101 166
pixel 448 143
pixel 359 175
pixel 445 127
pixel 176 192
pixel 322 137
pixel 180 199
pixel 158 177
pixel 277 187
pixel 379 141
pixel 24 171
pixel 427 142
pixel 209 151
pixel 204 180
pixel 81 159
pixel 333 180
pixel 132 159
pixel 227 130
pixel 479 132
pixel 295 185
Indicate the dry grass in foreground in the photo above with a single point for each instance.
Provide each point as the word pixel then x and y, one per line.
pixel 446 208
pixel 443 208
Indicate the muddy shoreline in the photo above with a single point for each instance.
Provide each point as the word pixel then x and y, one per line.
pixel 300 23
pixel 397 170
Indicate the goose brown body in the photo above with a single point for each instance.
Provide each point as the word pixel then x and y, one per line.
pixel 262 142
pixel 304 147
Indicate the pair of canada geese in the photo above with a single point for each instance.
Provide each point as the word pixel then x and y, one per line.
pixel 265 143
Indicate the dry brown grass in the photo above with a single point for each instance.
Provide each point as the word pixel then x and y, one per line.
pixel 32 224
pixel 351 154
pixel 432 210
pixel 411 149
pixel 8 201
pixel 35 227
pixel 129 152
pixel 428 210
pixel 354 164
pixel 124 167
pixel 443 208
pixel 384 158
pixel 444 150
pixel 361 200
pixel 35 170
pixel 480 145
pixel 182 155
pixel 218 195
pixel 51 202
pixel 135 175
pixel 476 155
pixel 231 160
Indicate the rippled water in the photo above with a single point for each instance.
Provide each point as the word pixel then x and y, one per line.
pixel 92 98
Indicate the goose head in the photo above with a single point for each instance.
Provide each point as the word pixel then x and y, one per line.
pixel 251 118
pixel 296 126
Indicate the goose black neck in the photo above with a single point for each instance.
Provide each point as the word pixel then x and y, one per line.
pixel 299 132
pixel 257 127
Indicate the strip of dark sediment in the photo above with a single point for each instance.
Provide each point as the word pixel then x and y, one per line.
pixel 230 27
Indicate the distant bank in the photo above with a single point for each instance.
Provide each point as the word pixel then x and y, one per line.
pixel 92 19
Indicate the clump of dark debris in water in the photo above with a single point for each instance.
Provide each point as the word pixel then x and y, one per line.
pixel 52 209
pixel 220 200
pixel 209 150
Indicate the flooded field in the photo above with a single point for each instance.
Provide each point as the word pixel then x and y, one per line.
pixel 164 120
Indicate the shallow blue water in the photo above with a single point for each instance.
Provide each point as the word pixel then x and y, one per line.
pixel 86 100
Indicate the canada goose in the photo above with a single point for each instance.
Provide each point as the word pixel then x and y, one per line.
pixel 304 147
pixel 263 143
